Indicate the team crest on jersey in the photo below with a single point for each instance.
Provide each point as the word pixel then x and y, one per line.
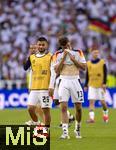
pixel 44 72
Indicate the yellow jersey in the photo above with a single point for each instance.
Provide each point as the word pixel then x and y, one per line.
pixel 40 71
pixel 95 73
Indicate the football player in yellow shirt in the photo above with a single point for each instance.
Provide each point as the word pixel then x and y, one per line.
pixel 33 50
pixel 42 81
pixel 96 75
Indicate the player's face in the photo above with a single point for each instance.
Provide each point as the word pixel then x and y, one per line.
pixel 95 54
pixel 68 46
pixel 42 46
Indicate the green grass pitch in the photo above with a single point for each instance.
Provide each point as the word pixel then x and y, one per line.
pixel 97 136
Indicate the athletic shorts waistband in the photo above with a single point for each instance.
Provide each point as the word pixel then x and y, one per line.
pixel 69 77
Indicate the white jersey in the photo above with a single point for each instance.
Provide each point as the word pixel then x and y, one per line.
pixel 70 85
pixel 78 54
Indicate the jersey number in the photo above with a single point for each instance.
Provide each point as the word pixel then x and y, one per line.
pixel 80 95
pixel 45 99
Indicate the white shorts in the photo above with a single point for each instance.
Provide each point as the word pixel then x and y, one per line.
pixel 96 93
pixel 56 96
pixel 40 97
pixel 70 86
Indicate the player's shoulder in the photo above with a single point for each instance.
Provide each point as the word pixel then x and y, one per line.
pixel 31 56
pixel 79 51
pixel 102 60
pixel 48 53
pixel 55 55
pixel 58 52
pixel 89 62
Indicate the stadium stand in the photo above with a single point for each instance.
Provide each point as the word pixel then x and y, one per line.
pixel 84 22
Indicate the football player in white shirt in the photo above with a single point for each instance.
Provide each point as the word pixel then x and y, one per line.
pixel 68 65
pixel 56 96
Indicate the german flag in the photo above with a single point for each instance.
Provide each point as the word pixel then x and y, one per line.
pixel 113 19
pixel 100 26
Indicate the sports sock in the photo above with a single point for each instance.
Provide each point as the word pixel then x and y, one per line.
pixel 77 126
pixel 68 113
pixel 105 112
pixel 91 115
pixel 65 128
pixel 70 116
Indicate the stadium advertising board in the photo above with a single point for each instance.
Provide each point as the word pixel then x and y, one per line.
pixel 18 99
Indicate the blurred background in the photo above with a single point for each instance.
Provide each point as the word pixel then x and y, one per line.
pixel 85 22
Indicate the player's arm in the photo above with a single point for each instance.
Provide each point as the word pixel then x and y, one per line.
pixel 86 80
pixel 104 74
pixel 52 79
pixel 32 50
pixel 104 77
pixel 77 63
pixel 27 64
pixel 60 64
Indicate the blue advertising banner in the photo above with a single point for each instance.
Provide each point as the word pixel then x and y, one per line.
pixel 18 99
pixel 13 98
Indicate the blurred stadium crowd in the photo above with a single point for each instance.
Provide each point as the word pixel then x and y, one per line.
pixel 85 22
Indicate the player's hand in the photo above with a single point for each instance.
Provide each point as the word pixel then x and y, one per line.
pixel 64 54
pixel 85 88
pixel 104 87
pixel 56 102
pixel 51 92
pixel 72 57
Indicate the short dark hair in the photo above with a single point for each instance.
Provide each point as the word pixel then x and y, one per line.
pixel 63 41
pixel 42 39
pixel 94 47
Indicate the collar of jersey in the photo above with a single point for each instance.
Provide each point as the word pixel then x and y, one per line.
pixel 40 55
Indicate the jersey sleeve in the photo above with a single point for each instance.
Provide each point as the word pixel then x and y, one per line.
pixel 86 78
pixel 27 64
pixel 104 73
pixel 81 57
pixel 53 74
pixel 56 59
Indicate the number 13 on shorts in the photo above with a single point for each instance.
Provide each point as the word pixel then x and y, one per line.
pixel 80 95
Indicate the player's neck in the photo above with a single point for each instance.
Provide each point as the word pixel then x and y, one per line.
pixel 42 52
pixel 95 58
